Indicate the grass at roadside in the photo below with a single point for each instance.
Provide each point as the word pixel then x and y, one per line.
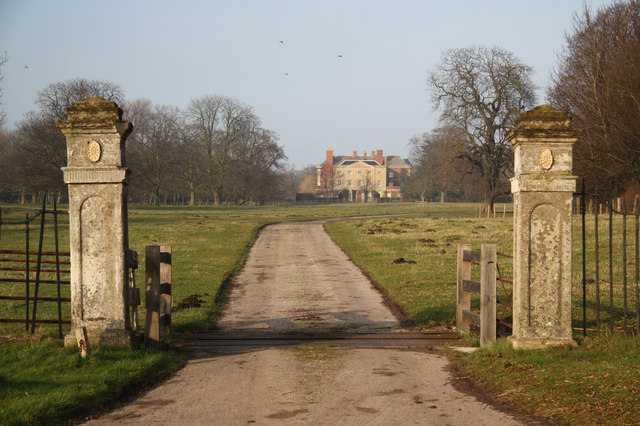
pixel 44 383
pixel 596 383
pixel 414 259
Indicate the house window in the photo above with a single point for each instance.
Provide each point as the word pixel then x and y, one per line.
pixel 339 172
pixel 339 182
pixel 379 182
pixel 390 174
pixel 349 181
pixel 349 173
pixel 368 172
pixel 379 172
pixel 359 172
pixel 359 182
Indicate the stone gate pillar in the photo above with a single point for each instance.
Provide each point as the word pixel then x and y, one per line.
pixel 542 189
pixel 97 178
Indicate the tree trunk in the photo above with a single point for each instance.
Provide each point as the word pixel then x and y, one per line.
pixel 442 196
pixel 488 204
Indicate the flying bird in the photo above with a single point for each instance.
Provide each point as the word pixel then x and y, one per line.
pixel 339 56
pixel 281 42
pixel 26 67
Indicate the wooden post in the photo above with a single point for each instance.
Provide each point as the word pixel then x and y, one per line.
pixel 165 289
pixel 488 262
pixel 152 296
pixel 464 297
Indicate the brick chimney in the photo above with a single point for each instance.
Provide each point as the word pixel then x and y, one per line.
pixel 355 154
pixel 379 157
pixel 327 171
pixel 330 156
pixel 365 155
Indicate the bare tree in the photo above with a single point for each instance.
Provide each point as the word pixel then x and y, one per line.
pixel 258 160
pixel 38 153
pixel 152 144
pixel 482 91
pixel 437 159
pixel 3 115
pixel 190 161
pixel 56 98
pixel 220 122
pixel 597 80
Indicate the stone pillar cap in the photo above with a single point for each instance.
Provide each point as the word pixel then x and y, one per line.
pixel 95 112
pixel 544 122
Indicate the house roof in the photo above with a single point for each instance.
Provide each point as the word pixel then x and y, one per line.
pixel 369 162
pixel 394 161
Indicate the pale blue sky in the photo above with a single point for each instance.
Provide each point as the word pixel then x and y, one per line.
pixel 373 97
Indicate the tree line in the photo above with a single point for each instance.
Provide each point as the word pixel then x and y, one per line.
pixel 481 91
pixel 213 151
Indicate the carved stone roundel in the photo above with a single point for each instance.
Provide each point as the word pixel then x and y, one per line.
pixel 546 159
pixel 94 151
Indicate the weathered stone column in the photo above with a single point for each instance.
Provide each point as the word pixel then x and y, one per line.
pixel 542 189
pixel 96 175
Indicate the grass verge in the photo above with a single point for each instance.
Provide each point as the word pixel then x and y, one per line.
pixel 45 383
pixel 595 383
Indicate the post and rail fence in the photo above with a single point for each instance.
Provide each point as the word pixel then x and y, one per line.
pixel 488 320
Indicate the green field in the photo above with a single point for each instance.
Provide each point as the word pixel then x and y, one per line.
pixel 209 245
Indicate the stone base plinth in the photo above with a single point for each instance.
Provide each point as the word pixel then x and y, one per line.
pixel 539 343
pixel 101 337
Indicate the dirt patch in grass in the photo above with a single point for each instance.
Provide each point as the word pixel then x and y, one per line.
pixel 403 260
pixel 188 302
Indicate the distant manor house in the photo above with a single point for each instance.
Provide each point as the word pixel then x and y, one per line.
pixel 359 178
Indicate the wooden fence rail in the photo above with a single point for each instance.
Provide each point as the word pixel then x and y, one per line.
pixel 486 287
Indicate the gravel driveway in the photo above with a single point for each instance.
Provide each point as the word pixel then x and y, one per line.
pixel 296 280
